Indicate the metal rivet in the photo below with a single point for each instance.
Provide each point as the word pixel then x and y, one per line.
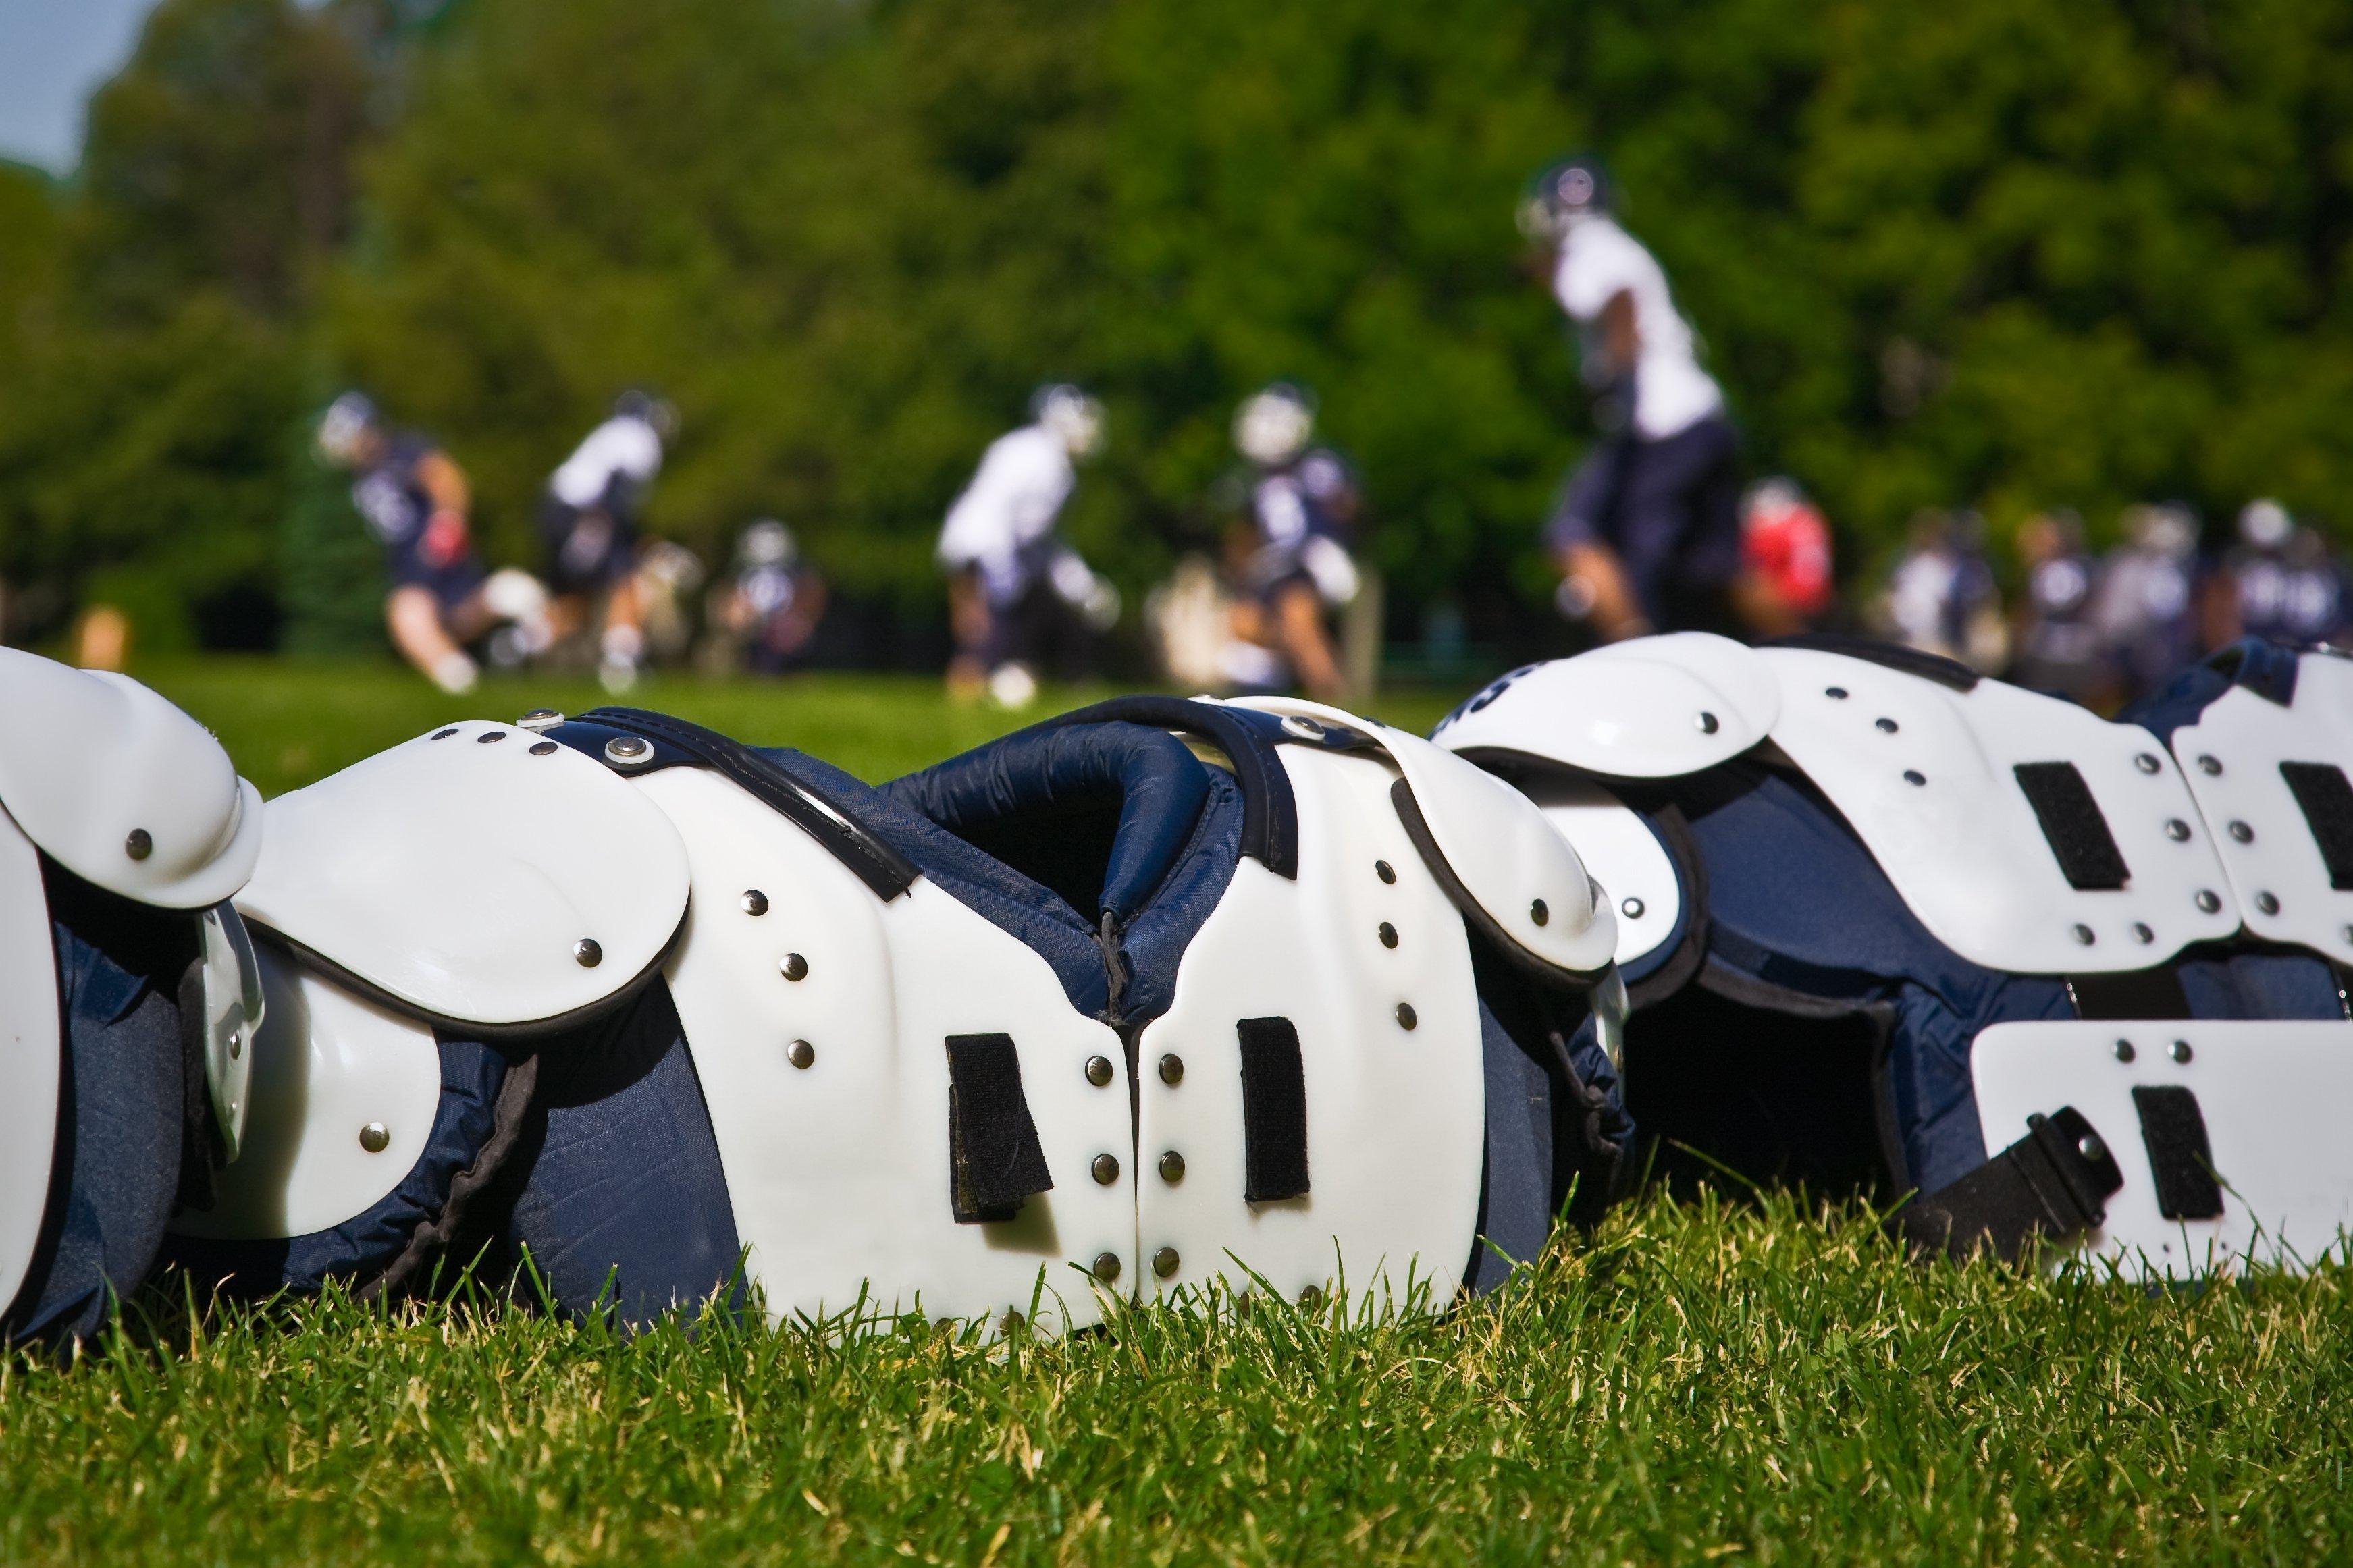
pixel 2208 900
pixel 236 1046
pixel 2266 903
pixel 543 748
pixel 2346 932
pixel 1388 934
pixel 587 953
pixel 2176 830
pixel 2084 935
pixel 2145 762
pixel 2209 765
pixel 2179 1050
pixel 375 1137
pixel 138 844
pixel 2243 833
pixel 1915 776
pixel 2124 1051
pixel 2091 1148
pixel 1164 1262
pixel 1172 1070
pixel 1311 1297
pixel 1383 870
pixel 792 967
pixel 1835 693
pixel 1172 1167
pixel 1632 909
pixel 1106 1169
pixel 1099 1070
pixel 487 736
pixel 753 901
pixel 1405 1016
pixel 1540 912
pixel 1107 1267
pixel 800 1053
pixel 2141 933
pixel 1707 723
pixel 628 751
pixel 1886 726
pixel 1303 727
pixel 540 719
pixel 444 734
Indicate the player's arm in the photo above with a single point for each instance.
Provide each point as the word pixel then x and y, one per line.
pixel 1621 334
pixel 445 485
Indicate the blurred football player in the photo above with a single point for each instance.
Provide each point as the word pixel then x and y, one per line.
pixel 588 522
pixel 1303 505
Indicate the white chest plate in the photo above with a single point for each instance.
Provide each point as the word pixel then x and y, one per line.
pixel 32 1041
pixel 839 1171
pixel 326 1068
pixel 466 873
pixel 2232 757
pixel 1658 707
pixel 1395 1116
pixel 1624 856
pixel 2272 1097
pixel 1925 776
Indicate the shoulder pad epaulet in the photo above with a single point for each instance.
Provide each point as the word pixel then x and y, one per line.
pixel 121 787
pixel 1653 708
pixel 479 875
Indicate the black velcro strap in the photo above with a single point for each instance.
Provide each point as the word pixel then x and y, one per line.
pixel 2325 799
pixel 2053 1181
pixel 1274 1111
pixel 2071 821
pixel 2138 993
pixel 994 1159
pixel 2173 1130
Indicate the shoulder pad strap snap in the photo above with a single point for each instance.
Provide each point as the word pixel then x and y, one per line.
pixel 1651 708
pixel 121 787
pixel 1511 876
pixel 478 876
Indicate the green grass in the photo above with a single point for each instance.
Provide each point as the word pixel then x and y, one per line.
pixel 1698 1381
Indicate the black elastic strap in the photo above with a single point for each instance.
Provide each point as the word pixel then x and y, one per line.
pixel 2071 823
pixel 2325 798
pixel 1270 814
pixel 2053 1181
pixel 994 1157
pixel 2174 1131
pixel 829 821
pixel 1274 1111
pixel 2134 993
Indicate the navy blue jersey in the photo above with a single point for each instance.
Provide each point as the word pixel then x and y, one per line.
pixel 397 508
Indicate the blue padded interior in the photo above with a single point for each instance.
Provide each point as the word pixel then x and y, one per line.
pixel 2265 667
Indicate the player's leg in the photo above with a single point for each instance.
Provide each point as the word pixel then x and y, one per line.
pixel 1298 628
pixel 412 616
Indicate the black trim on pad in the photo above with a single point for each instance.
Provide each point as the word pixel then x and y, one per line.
pixel 2325 798
pixel 2174 1131
pixel 2053 1181
pixel 2072 823
pixel 1892 656
pixel 1274 1111
pixel 994 1157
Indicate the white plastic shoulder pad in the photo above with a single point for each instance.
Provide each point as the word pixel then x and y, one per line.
pixel 2269 1101
pixel 1624 856
pixel 1930 777
pixel 1352 985
pixel 31 1040
pixel 478 874
pixel 820 1021
pixel 1510 870
pixel 230 976
pixel 121 788
pixel 328 1073
pixel 1650 707
pixel 2251 763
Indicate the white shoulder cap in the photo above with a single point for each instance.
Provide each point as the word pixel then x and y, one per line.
pixel 478 874
pixel 121 787
pixel 1651 708
pixel 1508 867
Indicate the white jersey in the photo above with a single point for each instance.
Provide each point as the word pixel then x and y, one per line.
pixel 1598 261
pixel 1001 523
pixel 624 447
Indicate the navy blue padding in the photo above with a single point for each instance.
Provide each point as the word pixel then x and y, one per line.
pixel 625 1205
pixel 363 1246
pixel 1155 786
pixel 1515 1208
pixel 2265 667
pixel 2259 984
pixel 117 1165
